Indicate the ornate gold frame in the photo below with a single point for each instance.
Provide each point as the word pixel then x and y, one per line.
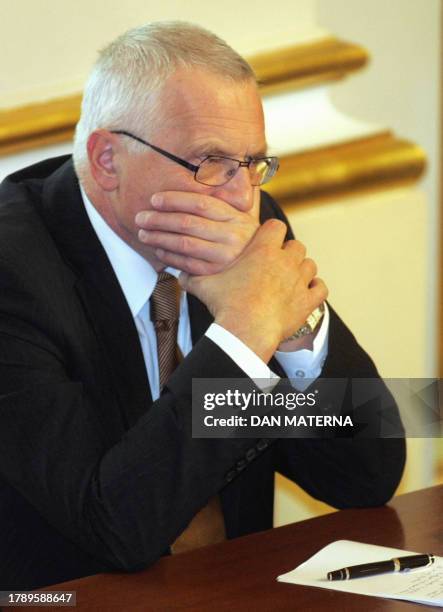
pixel 41 124
pixel 303 65
pixel 368 163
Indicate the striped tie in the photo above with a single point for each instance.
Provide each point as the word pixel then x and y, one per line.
pixel 164 315
pixel 207 526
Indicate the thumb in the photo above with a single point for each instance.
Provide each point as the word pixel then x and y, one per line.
pixel 272 232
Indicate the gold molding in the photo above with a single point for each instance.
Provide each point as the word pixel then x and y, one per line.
pixel 39 124
pixel 304 65
pixel 42 124
pixel 439 330
pixel 370 163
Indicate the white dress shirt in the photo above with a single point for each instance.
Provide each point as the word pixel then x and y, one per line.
pixel 137 280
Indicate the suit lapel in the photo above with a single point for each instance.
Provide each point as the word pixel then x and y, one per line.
pixel 99 291
pixel 114 327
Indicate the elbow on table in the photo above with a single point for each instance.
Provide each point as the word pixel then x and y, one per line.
pixel 380 487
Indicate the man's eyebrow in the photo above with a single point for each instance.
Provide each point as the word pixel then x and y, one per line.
pixel 212 149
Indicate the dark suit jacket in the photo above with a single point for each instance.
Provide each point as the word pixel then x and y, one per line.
pixel 94 476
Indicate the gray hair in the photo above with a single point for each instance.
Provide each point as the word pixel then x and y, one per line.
pixel 126 79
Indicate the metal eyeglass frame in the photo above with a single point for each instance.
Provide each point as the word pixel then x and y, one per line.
pixel 193 168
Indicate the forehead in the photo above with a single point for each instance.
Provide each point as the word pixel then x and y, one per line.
pixel 198 107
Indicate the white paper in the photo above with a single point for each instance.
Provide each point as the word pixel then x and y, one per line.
pixel 423 585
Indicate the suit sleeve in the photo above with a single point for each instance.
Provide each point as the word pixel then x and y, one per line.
pixel 362 467
pixel 122 496
pixel 357 470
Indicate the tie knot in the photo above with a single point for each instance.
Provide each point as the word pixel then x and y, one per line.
pixel 165 298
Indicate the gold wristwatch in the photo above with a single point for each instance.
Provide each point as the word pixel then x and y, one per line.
pixel 309 326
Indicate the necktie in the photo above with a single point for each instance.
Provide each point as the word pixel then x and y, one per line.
pixel 164 315
pixel 207 526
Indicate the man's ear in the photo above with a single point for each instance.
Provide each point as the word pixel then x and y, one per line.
pixel 101 154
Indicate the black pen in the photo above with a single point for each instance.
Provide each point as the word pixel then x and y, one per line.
pixel 400 564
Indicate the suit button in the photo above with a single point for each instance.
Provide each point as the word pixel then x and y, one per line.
pixel 251 454
pixel 231 475
pixel 241 465
pixel 261 445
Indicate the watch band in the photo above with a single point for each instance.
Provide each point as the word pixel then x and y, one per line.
pixel 310 324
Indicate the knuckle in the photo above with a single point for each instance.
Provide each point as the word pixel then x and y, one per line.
pixel 290 247
pixel 184 244
pixel 301 248
pixel 277 224
pixel 188 245
pixel 202 204
pixel 311 265
pixel 186 222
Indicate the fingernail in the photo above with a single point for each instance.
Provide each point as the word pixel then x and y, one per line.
pixel 157 200
pixel 159 253
pixel 142 217
pixel 142 235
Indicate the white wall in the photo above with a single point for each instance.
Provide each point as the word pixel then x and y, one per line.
pixel 401 89
pixel 50 45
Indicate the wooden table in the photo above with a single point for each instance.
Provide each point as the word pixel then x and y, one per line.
pixel 241 574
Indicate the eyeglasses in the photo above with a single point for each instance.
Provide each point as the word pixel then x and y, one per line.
pixel 217 170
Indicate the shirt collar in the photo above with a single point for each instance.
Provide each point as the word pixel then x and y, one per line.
pixel 135 274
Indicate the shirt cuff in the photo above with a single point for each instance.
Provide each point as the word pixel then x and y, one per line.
pixel 304 366
pixel 243 356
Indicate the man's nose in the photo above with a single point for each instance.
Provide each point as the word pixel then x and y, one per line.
pixel 238 192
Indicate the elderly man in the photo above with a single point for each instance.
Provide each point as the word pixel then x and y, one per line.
pixel 99 470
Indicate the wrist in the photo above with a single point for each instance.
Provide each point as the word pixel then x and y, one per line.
pixel 260 340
